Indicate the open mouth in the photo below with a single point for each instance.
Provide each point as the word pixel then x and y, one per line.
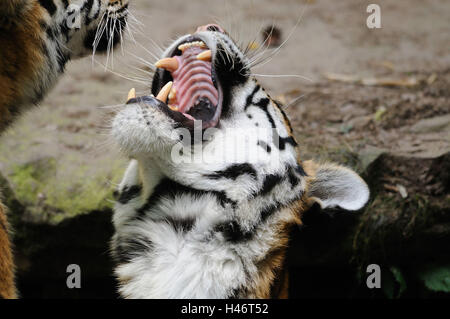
pixel 188 84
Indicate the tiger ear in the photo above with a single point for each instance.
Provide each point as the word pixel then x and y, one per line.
pixel 336 186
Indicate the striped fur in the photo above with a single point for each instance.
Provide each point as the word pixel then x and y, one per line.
pixel 37 39
pixel 216 229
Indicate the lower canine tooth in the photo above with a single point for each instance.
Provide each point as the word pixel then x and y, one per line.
pixel 172 94
pixel 162 95
pixel 205 56
pixel 169 64
pixel 131 94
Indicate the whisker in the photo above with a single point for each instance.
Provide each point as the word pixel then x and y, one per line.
pixel 149 52
pixel 282 76
pixel 98 34
pixel 139 23
pixel 292 102
pixel 108 49
pixel 277 50
pixel 121 37
pixel 264 46
pixel 140 81
pixel 147 63
pixel 110 106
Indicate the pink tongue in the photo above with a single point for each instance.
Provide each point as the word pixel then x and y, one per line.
pixel 192 80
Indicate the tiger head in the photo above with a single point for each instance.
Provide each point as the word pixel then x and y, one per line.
pixel 108 30
pixel 86 25
pixel 209 125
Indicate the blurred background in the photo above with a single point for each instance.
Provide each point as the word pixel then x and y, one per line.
pixel 376 100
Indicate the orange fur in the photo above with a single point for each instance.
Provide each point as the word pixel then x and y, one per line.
pixel 20 59
pixel 273 278
pixel 10 10
pixel 272 267
pixel 273 281
pixel 25 76
pixel 7 288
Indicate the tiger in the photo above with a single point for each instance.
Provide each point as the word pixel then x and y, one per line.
pixel 38 38
pixel 211 216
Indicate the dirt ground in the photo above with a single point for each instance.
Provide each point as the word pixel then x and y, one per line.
pixel 331 37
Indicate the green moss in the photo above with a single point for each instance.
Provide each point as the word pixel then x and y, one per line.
pixel 74 199
pixel 52 194
pixel 26 185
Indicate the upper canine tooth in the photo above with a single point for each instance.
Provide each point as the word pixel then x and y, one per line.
pixel 205 56
pixel 169 64
pixel 162 95
pixel 131 94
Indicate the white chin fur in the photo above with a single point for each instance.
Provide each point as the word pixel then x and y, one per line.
pixel 140 130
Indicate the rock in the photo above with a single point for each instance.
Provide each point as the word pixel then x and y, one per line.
pixel 8 197
pixel 360 121
pixel 398 233
pixel 43 249
pixel 5 189
pixel 59 198
pixel 368 155
pixel 46 188
pixel 434 124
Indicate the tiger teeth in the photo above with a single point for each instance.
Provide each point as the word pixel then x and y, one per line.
pixel 184 46
pixel 131 94
pixel 205 56
pixel 162 95
pixel 172 94
pixel 169 64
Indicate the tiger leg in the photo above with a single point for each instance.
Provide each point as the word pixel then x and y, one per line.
pixel 7 287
